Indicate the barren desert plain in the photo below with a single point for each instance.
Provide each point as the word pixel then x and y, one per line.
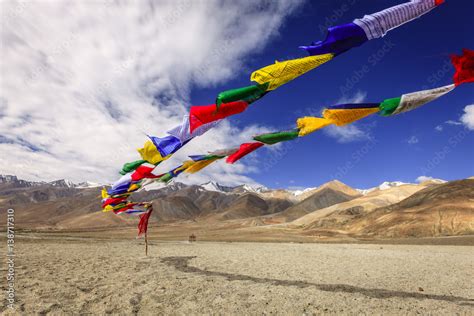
pixel 79 273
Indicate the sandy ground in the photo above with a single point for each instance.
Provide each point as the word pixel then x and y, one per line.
pixel 83 275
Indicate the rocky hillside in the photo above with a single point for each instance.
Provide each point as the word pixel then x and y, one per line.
pixel 442 210
pixel 393 209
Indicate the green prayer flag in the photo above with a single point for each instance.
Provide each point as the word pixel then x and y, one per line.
pixel 273 138
pixel 248 94
pixel 130 166
pixel 387 107
pixel 166 177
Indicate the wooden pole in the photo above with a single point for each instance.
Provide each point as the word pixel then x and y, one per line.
pixel 146 244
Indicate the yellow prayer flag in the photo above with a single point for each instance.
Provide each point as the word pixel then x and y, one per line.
pixel 150 153
pixel 108 208
pixel 198 165
pixel 282 72
pixel 308 124
pixel 104 193
pixel 342 117
pixel 185 166
pixel 133 187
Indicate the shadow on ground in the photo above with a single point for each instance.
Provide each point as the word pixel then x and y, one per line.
pixel 182 264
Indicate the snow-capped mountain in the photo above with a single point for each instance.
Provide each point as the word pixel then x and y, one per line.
pixel 211 186
pixel 62 183
pixel 88 184
pixel 303 191
pixel 214 186
pixel 248 188
pixel 14 181
pixel 384 186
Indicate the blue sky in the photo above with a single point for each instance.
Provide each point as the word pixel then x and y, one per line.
pixel 413 57
pixel 83 83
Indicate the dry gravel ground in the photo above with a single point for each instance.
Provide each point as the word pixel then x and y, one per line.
pixel 83 275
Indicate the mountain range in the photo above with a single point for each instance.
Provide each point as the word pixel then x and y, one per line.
pixel 393 209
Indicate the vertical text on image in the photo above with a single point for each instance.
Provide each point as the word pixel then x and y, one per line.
pixel 10 258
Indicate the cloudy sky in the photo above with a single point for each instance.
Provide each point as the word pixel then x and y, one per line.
pixel 83 82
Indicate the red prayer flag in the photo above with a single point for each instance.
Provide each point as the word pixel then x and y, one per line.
pixel 112 201
pixel 244 149
pixel 143 224
pixel 126 207
pixel 144 171
pixel 464 66
pixel 203 114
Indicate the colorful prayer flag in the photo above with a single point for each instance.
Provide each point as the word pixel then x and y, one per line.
pixel 341 117
pixel 150 153
pixel 248 94
pixel 339 39
pixel 282 72
pixel 119 189
pixel 144 171
pixel 224 152
pixel 464 67
pixel 183 131
pixel 411 101
pixel 273 138
pixel 133 187
pixel 200 115
pixel 112 201
pixel 388 106
pixel 204 157
pixel 307 125
pixel 143 223
pixel 378 24
pixel 166 145
pixel 130 166
pixel 349 106
pixel 201 164
pixel 104 193
pixel 243 150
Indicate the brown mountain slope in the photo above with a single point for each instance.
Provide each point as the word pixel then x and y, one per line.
pixel 251 205
pixel 185 202
pixel 335 185
pixel 175 208
pixel 322 198
pixel 342 212
pixel 30 195
pixel 45 206
pixel 444 209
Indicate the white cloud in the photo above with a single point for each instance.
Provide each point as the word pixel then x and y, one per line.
pixel 82 82
pixel 349 133
pixel 421 179
pixel 358 97
pixel 346 134
pixel 440 128
pixel 468 117
pixel 413 140
pixel 451 122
